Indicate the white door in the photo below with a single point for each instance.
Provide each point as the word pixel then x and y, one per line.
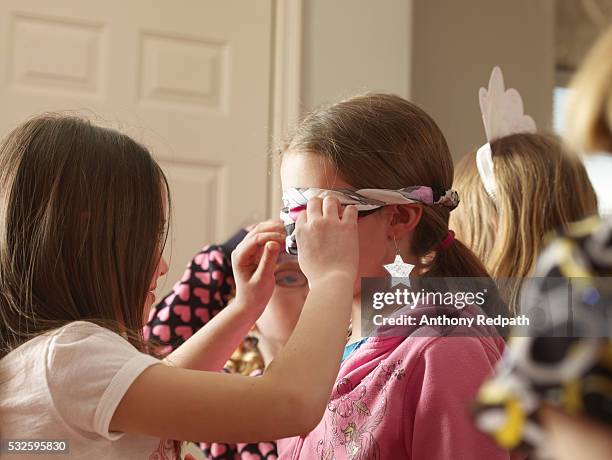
pixel 189 78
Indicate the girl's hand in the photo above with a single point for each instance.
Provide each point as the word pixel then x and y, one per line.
pixel 327 239
pixel 253 263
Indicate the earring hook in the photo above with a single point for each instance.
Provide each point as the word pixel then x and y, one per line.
pixel 397 250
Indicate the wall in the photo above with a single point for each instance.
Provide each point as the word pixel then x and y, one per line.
pixel 353 46
pixel 436 52
pixel 455 46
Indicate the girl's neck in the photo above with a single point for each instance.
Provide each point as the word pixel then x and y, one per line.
pixel 269 347
pixel 356 320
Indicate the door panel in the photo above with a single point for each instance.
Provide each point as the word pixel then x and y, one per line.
pixel 190 79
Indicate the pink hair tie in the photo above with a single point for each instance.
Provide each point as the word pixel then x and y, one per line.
pixel 446 242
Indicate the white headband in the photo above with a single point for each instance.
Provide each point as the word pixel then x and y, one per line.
pixel 502 115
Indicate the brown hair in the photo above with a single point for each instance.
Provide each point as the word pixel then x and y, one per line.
pixel 81 228
pixel 384 141
pixel 589 108
pixel 539 187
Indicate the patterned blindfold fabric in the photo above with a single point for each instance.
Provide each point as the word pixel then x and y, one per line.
pixel 366 200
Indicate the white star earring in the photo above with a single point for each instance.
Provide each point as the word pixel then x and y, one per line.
pixel 399 270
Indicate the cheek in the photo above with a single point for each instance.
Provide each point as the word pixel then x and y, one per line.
pixel 374 249
pixel 284 306
pixel 288 298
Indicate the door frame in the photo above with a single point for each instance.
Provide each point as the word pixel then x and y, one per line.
pixel 286 87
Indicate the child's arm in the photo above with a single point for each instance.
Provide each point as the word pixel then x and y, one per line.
pixel 203 291
pixel 210 348
pixel 294 391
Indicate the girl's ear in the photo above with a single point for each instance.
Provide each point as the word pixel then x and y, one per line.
pixel 403 219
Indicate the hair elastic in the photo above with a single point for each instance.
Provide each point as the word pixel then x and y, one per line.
pixel 446 242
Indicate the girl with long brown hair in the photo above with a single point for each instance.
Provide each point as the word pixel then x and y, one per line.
pixel 82 227
pixel 401 395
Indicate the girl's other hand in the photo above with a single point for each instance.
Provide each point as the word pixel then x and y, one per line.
pixel 253 263
pixel 327 237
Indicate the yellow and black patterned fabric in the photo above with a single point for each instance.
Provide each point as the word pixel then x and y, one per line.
pixel 567 362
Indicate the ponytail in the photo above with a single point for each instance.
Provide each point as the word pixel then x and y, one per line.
pixel 456 259
pixel 438 256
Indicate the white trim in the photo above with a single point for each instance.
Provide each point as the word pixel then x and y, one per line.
pixel 484 163
pixel 286 86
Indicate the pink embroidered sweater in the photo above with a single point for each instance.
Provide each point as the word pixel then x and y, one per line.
pixel 406 398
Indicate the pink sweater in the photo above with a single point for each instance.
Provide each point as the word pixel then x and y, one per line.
pixel 405 398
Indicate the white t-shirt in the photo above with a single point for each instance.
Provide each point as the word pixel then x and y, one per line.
pixel 66 385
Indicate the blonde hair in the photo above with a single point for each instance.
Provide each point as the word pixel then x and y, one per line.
pixel 589 108
pixel 539 187
pixel 384 141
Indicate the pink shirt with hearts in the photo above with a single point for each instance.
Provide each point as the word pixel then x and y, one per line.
pixel 205 288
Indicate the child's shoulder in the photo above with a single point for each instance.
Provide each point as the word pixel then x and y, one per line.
pixel 465 347
pixel 80 329
pixel 85 335
pixel 83 348
pixel 449 351
pixel 69 333
pixel 73 333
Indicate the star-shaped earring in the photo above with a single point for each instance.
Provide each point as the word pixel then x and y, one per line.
pixel 399 270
